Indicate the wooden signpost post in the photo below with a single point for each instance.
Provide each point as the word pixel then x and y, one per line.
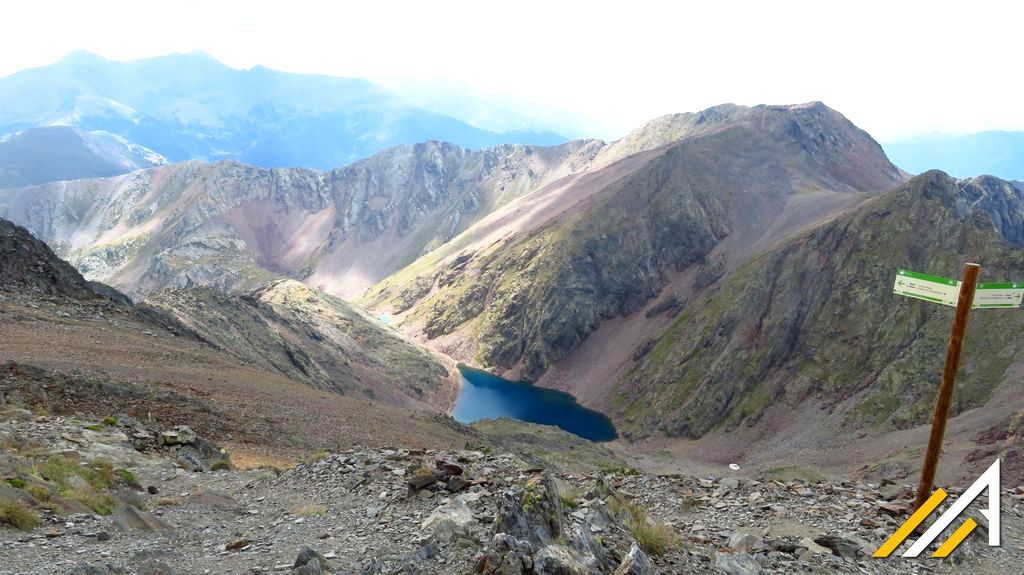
pixel 964 294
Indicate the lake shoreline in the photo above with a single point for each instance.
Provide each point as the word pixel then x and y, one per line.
pixel 484 395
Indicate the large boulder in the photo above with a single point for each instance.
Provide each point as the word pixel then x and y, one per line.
pixel 559 560
pixel 532 513
pixel 591 552
pixel 311 562
pixel 848 547
pixel 180 435
pixel 635 562
pixel 449 520
pixel 130 518
pixel 737 564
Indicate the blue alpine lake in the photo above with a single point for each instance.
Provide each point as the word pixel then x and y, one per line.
pixel 487 396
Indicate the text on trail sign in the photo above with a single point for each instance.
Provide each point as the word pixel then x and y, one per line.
pixel 999 295
pixel 929 288
pixel 946 290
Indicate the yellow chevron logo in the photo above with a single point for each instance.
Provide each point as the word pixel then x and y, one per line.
pixel 988 480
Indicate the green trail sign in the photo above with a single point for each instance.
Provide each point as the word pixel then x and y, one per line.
pixel 999 295
pixel 942 290
pixel 964 295
pixel 929 288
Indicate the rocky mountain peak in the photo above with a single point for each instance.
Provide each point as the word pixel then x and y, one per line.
pixel 1002 200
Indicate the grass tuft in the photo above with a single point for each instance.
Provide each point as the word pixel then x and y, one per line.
pixel 570 496
pixel 41 493
pixel 221 465
pixel 654 537
pixel 17 515
pixel 318 455
pixel 101 503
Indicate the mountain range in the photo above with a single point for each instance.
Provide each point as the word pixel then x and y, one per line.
pixel 721 278
pixel 190 106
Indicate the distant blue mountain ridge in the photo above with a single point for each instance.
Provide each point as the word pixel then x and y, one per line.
pixel 995 153
pixel 191 106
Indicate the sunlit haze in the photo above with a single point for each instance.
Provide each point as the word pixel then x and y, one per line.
pixel 895 68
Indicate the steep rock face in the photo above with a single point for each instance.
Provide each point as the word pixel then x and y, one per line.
pixel 235 226
pixel 1002 200
pixel 815 319
pixel 739 180
pixel 311 338
pixel 29 264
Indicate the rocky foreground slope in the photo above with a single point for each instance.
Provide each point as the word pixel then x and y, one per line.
pixel 91 497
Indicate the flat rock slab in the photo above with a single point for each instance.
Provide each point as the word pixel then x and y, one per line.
pixel 130 518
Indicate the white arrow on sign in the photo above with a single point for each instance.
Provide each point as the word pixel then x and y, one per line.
pixel 999 295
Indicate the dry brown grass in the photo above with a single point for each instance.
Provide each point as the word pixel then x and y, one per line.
pixel 17 515
pixel 653 536
pixel 244 460
pixel 311 509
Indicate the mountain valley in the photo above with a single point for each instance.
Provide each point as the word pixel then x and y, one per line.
pixel 717 283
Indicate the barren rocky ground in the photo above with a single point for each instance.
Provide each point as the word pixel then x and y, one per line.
pixel 453 511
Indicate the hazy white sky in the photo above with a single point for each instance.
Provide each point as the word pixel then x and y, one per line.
pixel 894 68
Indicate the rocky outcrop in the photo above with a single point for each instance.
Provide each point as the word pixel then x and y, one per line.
pixel 530 536
pixel 1003 201
pixel 635 562
pixel 28 264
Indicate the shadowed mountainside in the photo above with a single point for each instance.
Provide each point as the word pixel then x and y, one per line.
pixel 313 338
pixel 815 320
pixel 41 155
